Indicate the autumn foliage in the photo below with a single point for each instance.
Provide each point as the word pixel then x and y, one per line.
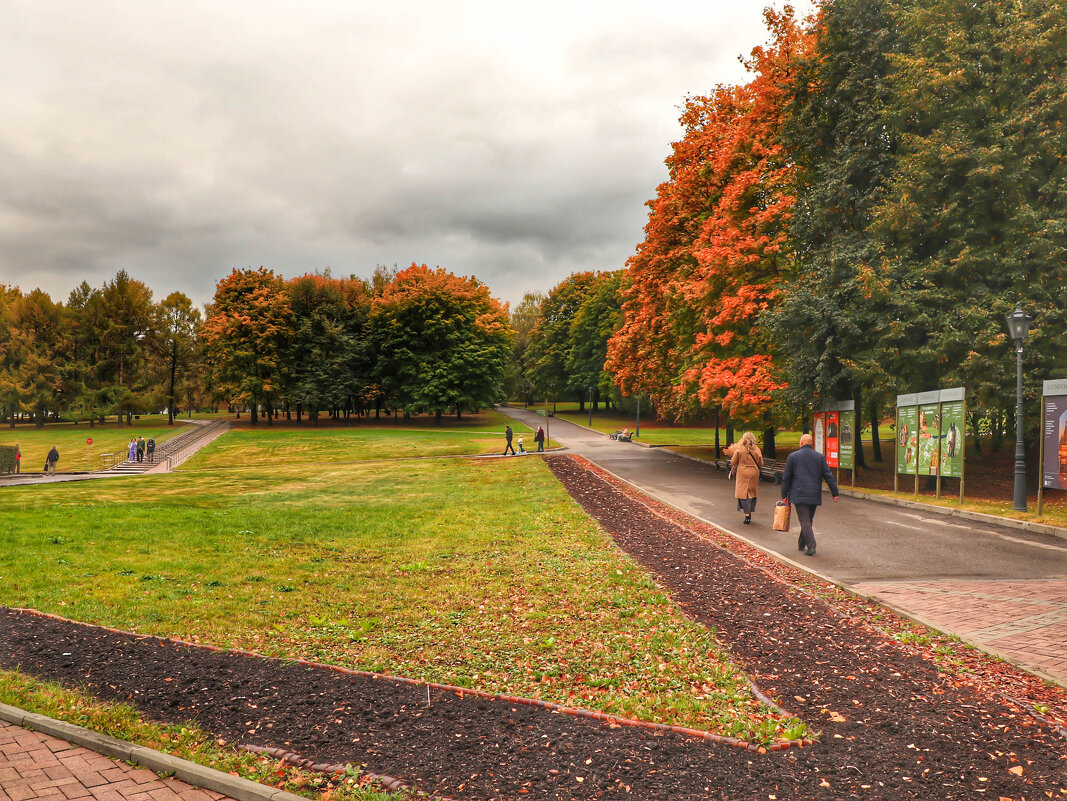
pixel 715 249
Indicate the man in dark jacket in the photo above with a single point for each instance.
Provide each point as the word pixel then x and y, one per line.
pixel 50 461
pixel 507 443
pixel 805 470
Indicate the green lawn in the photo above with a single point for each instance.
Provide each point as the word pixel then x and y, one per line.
pixel 70 440
pixel 404 566
pixel 331 443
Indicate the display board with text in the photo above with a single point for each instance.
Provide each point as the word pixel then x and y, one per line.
pixel 1054 434
pixel 930 433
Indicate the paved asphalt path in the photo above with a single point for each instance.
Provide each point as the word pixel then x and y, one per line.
pixel 1000 588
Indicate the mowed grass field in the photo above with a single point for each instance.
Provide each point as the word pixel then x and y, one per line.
pixel 70 440
pixel 334 443
pixel 330 545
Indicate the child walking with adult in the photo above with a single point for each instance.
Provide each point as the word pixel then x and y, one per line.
pixel 745 465
pixel 805 471
pixel 522 450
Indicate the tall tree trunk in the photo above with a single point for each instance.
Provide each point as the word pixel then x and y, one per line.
pixel 437 417
pixel 876 437
pixel 173 372
pixel 769 449
pixel 729 433
pixel 716 433
pixel 581 401
pixel 805 424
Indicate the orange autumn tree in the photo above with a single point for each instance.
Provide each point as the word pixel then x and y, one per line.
pixel 714 253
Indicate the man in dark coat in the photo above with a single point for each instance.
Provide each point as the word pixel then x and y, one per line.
pixel 50 461
pixel 507 445
pixel 805 470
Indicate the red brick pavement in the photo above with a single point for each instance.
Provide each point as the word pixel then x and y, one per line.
pixel 34 765
pixel 1025 622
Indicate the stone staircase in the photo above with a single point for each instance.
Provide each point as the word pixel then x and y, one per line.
pixel 174 451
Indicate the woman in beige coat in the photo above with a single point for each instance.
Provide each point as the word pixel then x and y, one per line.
pixel 745 464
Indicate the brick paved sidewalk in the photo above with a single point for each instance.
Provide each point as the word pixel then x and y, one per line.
pixel 34 765
pixel 1023 621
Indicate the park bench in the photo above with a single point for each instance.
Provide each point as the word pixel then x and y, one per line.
pixel 772 469
pixel 620 437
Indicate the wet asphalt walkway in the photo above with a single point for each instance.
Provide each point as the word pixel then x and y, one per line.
pixel 997 587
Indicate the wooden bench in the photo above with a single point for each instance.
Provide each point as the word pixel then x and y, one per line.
pixel 620 437
pixel 772 469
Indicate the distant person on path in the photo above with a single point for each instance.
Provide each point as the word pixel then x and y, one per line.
pixel 150 450
pixel 507 436
pixel 133 449
pixel 805 471
pixel 140 450
pixel 522 450
pixel 50 464
pixel 745 464
pixel 18 459
pixel 539 438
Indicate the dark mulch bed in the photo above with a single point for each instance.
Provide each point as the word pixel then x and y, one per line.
pixel 907 730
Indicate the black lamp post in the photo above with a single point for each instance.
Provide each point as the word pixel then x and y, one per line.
pixel 637 431
pixel 1019 327
pixel 590 407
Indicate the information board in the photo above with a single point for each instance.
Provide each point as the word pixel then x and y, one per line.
pixel 928 433
pixel 907 438
pixel 1054 432
pixel 952 433
pixel 846 442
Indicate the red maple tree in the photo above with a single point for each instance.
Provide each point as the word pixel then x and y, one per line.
pixel 715 247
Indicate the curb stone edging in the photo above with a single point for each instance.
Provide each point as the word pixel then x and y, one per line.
pixel 182 769
pixel 389 783
pixel 604 717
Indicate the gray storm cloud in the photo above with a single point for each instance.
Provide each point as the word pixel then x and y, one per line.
pixel 180 140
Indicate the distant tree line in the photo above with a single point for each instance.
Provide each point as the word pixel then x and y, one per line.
pixel 419 340
pixel 106 351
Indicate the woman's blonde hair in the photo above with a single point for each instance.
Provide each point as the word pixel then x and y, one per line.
pixel 748 440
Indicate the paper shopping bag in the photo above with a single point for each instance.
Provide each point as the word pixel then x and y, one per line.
pixel 782 512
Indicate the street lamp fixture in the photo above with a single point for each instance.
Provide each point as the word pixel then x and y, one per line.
pixel 590 407
pixel 1019 326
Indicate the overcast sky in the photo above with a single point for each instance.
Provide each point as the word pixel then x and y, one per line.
pixel 516 142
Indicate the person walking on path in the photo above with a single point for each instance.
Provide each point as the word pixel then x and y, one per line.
pixel 745 465
pixel 539 438
pixel 150 450
pixel 140 450
pixel 522 450
pixel 133 450
pixel 508 445
pixel 18 459
pixel 805 471
pixel 50 464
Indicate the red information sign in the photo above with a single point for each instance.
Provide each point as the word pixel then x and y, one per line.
pixel 89 441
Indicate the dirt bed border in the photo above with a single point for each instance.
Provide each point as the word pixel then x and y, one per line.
pixel 604 717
